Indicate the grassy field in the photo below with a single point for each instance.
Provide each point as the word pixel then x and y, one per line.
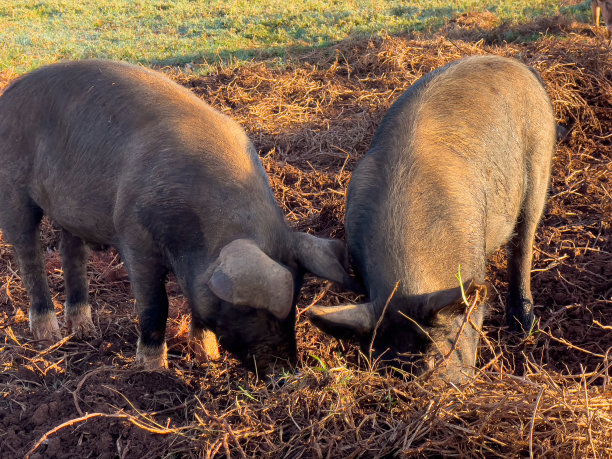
pixel 184 31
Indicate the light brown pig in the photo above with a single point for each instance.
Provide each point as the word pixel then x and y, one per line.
pixel 459 166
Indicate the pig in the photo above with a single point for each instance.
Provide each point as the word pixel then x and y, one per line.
pixel 119 155
pixel 602 9
pixel 459 165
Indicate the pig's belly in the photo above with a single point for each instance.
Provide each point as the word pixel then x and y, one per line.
pixel 90 220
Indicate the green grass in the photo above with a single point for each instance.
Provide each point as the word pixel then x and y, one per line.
pixel 174 32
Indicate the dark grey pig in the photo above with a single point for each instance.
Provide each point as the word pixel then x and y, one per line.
pixel 460 165
pixel 118 155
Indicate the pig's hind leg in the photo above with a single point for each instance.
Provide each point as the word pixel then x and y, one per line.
pixel 20 222
pixel 74 255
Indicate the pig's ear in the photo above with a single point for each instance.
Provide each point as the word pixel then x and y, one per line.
pixel 436 302
pixel 344 321
pixel 246 276
pixel 326 258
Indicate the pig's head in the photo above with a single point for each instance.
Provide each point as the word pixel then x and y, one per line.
pixel 256 318
pixel 421 333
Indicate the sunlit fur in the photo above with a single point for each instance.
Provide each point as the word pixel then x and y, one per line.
pixel 459 165
pixel 118 155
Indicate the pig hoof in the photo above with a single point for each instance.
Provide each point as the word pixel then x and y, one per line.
pixel 521 317
pixel 152 358
pixel 78 321
pixel 204 344
pixel 45 327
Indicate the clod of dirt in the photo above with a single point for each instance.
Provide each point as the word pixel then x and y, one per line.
pixel 54 446
pixel 41 415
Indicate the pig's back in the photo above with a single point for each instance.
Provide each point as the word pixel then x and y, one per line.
pixel 86 136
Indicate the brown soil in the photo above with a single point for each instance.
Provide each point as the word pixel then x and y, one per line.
pixel 549 395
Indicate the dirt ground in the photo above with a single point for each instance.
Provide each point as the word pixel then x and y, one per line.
pixel 548 395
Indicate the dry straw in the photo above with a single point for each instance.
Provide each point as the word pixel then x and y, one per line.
pixel 546 396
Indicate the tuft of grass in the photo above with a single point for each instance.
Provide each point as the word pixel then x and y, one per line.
pixel 182 31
